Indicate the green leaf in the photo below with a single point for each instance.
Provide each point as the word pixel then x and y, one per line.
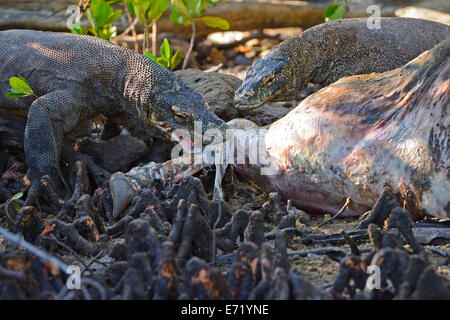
pixel 29 90
pixel 150 55
pixel 101 12
pixel 165 49
pixel 15 91
pixel 215 22
pixel 131 9
pixel 176 59
pixel 20 85
pixel 163 61
pixel 141 17
pixel 157 9
pixel 17 196
pixel 149 10
pixel 196 7
pixel 107 33
pixel 180 6
pixel 338 13
pixel 176 17
pixel 16 95
pixel 334 12
pixel 203 6
pixel 24 80
pixel 77 28
pixel 141 7
pixel 180 13
pixel 114 16
pixel 331 8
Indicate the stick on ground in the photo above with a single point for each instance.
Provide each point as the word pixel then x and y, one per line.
pixel 347 202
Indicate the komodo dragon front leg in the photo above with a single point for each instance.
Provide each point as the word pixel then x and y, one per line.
pixel 49 118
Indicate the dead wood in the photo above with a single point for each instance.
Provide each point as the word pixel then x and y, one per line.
pixel 242 15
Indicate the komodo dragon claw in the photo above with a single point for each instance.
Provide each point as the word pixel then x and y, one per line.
pixel 32 199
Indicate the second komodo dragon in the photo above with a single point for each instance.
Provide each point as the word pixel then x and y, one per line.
pixel 333 50
pixel 79 77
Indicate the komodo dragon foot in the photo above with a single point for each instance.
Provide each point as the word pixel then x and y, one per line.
pixel 50 193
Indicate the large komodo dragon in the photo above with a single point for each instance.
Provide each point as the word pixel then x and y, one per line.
pixel 330 51
pixel 80 77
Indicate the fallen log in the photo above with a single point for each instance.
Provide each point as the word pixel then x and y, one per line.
pixel 423 13
pixel 242 15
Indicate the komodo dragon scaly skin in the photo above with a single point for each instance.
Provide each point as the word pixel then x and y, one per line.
pixel 80 77
pixel 325 53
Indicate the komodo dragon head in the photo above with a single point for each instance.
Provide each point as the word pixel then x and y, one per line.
pixel 265 81
pixel 180 113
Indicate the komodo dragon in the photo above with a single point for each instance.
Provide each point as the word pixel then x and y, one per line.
pixel 330 51
pixel 79 77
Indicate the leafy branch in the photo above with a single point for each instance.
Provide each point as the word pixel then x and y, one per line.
pixel 188 12
pixel 167 59
pixel 148 12
pixel 101 16
pixel 338 9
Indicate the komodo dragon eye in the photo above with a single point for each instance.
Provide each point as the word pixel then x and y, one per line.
pixel 179 115
pixel 268 80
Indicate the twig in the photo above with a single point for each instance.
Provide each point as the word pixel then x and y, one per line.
pixel 131 28
pixel 94 259
pixel 6 211
pixel 347 202
pixel 154 38
pixel 318 251
pixel 291 231
pixel 346 8
pixel 191 46
pixel 214 68
pixel 146 37
pixel 322 251
pixel 56 263
pixel 334 239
